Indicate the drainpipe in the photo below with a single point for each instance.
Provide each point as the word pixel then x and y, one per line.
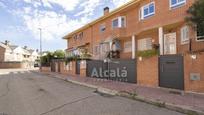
pixel 161 40
pixel 133 47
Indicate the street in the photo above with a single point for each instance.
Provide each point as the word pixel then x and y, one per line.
pixel 32 93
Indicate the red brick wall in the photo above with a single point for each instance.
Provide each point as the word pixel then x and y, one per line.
pixel 194 66
pixel 68 72
pixel 7 65
pixel 147 71
pixel 46 69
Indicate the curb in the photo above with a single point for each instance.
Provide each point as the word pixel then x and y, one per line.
pixel 179 108
pixel 82 84
pixel 98 89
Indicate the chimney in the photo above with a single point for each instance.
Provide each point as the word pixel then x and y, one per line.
pixel 106 10
pixel 25 47
pixel 6 42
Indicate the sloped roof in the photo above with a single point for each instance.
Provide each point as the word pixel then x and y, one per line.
pixel 26 51
pixel 31 51
pixel 4 46
pixel 13 47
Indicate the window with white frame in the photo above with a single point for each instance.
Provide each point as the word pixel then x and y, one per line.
pixel 147 10
pixel 185 35
pixel 119 22
pixel 200 33
pixel 145 44
pixel 128 46
pixel 176 3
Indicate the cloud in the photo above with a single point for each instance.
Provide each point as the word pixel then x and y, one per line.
pixel 88 7
pixel 2 5
pixel 55 25
pixel 118 3
pixel 68 5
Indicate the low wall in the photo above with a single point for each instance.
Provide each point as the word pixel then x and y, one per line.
pixel 195 66
pixel 7 65
pixel 46 69
pixel 67 69
pixel 147 71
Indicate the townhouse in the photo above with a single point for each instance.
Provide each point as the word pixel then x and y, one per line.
pixel 153 34
pixel 11 54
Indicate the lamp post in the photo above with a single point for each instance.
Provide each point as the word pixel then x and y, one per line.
pixel 40 29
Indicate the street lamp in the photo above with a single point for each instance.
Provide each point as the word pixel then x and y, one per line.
pixel 40 29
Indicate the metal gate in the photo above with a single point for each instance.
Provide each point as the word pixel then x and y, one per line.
pixel 78 67
pixel 53 66
pixel 171 72
pixel 118 70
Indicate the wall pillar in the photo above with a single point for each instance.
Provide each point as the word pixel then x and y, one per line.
pixel 161 40
pixel 133 47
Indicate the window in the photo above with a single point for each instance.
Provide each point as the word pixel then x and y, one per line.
pixel 200 33
pixel 75 37
pixel 176 3
pixel 147 10
pixel 184 35
pixel 115 23
pixel 123 22
pixel 128 46
pixel 119 22
pixel 80 36
pixel 102 27
pixel 145 44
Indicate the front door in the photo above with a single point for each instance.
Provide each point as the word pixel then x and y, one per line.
pixel 170 43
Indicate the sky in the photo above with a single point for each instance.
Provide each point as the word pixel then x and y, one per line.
pixel 20 20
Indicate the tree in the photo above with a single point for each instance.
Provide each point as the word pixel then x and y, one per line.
pixel 196 16
pixel 45 60
pixel 60 54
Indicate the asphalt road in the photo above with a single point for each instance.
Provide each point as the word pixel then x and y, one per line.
pixel 30 93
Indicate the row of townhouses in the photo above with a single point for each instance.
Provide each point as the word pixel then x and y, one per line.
pixel 148 38
pixel 11 54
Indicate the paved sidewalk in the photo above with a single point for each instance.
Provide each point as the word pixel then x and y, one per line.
pixel 171 98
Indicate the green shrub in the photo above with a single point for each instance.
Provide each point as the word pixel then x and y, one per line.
pixel 147 53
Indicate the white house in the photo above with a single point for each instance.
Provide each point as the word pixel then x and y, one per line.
pixel 13 53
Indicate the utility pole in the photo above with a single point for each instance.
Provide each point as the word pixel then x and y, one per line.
pixel 40 29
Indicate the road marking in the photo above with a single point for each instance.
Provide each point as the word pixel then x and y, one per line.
pixel 4 73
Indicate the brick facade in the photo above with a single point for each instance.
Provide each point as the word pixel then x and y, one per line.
pixel 147 72
pixel 194 66
pixel 170 20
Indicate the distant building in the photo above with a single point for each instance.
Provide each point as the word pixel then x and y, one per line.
pixel 14 53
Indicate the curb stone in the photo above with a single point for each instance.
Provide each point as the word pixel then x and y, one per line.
pixel 107 91
pixel 83 84
pixel 178 108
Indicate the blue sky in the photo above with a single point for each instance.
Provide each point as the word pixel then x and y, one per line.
pixel 20 19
